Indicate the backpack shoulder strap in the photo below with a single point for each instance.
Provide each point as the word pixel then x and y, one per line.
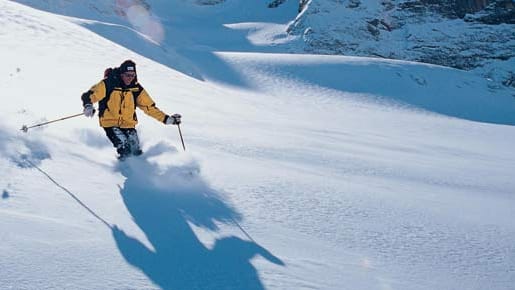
pixel 110 80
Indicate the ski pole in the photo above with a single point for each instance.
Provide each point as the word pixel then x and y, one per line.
pixel 180 134
pixel 24 128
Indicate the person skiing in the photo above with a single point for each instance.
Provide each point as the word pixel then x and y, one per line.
pixel 118 95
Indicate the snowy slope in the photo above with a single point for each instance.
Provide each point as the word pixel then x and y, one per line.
pixel 315 172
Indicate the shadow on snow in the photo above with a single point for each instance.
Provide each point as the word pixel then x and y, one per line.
pixel 19 149
pixel 163 204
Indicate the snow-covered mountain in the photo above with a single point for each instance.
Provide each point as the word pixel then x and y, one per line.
pixel 466 34
pixel 301 171
pixel 469 35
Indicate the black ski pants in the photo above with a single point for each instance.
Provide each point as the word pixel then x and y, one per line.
pixel 125 140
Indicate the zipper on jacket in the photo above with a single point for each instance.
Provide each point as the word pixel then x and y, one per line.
pixel 121 101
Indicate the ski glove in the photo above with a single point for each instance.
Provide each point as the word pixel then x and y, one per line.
pixel 174 119
pixel 89 111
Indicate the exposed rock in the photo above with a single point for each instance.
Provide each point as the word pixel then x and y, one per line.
pixel 302 4
pixel 497 12
pixel 464 34
pixel 353 4
pixel 492 11
pixel 275 3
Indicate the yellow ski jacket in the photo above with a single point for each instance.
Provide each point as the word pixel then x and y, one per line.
pixel 117 104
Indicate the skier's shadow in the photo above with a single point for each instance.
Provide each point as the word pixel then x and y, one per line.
pixel 180 260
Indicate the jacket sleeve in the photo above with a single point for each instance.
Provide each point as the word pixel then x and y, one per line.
pixel 145 103
pixel 95 94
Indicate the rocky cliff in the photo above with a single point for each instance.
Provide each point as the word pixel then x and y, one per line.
pixel 476 35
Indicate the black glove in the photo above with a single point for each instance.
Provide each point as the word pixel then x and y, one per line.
pixel 174 119
pixel 89 111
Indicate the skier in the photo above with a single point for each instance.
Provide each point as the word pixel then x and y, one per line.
pixel 118 94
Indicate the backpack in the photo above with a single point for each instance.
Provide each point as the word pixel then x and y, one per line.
pixel 108 72
pixel 111 79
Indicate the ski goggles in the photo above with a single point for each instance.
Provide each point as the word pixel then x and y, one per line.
pixel 129 74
